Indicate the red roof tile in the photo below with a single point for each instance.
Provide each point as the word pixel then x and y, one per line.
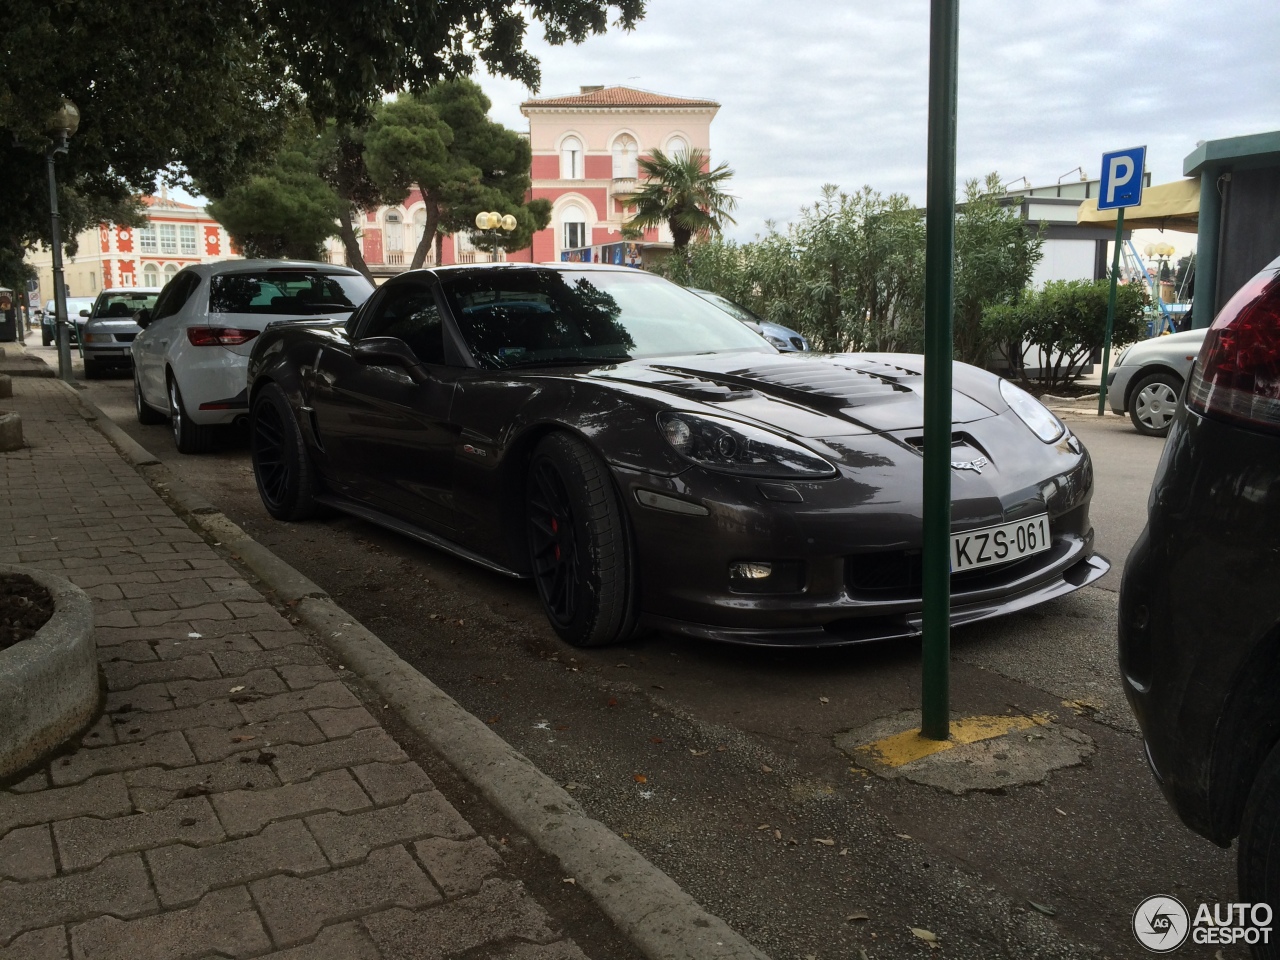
pixel 619 97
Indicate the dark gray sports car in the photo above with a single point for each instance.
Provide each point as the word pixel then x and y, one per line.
pixel 650 462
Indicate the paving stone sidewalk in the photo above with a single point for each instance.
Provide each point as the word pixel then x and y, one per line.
pixel 235 799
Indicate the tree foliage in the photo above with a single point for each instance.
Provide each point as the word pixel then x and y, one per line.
pixel 681 192
pixel 849 273
pixel 1055 331
pixel 203 89
pixel 463 162
pixel 995 254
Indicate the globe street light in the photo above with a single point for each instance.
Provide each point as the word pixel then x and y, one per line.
pixel 62 125
pixel 491 220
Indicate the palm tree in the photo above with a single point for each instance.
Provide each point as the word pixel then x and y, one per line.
pixel 680 192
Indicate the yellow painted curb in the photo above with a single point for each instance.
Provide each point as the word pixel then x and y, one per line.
pixel 900 749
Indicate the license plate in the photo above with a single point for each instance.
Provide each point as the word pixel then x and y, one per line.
pixel 1000 543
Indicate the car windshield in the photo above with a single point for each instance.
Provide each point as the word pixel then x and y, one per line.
pixel 123 304
pixel 513 318
pixel 728 306
pixel 76 304
pixel 287 292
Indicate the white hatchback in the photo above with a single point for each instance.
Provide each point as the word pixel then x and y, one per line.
pixel 191 358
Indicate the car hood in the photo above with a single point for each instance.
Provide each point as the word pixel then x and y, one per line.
pixel 811 395
pixel 1173 344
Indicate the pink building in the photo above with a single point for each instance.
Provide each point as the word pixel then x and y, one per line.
pixel 585 149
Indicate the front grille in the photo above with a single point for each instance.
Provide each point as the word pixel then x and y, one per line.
pixel 896 575
pixel 125 337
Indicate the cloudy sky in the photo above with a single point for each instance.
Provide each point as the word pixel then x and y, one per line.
pixel 837 92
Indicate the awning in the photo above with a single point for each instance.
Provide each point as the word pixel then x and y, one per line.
pixel 1166 206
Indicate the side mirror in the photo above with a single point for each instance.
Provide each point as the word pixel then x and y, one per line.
pixel 84 313
pixel 142 318
pixel 391 351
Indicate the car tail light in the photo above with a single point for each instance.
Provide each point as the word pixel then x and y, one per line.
pixel 1237 376
pixel 219 336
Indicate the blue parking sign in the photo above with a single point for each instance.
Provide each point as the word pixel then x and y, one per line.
pixel 1122 176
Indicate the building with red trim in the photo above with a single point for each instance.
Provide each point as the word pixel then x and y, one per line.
pixel 175 235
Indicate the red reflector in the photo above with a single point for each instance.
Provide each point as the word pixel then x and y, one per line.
pixel 1237 376
pixel 219 336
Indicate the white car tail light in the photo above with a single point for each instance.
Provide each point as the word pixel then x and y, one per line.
pixel 219 336
pixel 1237 376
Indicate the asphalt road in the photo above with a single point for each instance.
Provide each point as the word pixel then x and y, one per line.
pixel 719 765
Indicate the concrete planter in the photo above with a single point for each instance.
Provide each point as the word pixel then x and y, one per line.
pixel 10 431
pixel 48 683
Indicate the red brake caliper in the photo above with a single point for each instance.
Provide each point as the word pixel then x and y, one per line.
pixel 555 528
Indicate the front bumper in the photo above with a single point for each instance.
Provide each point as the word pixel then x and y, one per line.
pixel 1118 380
pixel 858 624
pixel 850 547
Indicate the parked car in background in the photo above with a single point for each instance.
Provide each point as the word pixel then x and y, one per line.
pixel 49 322
pixel 782 338
pixel 650 462
pixel 1199 621
pixel 1148 378
pixel 189 360
pixel 110 329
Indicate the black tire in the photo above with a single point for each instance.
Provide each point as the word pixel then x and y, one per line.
pixel 46 338
pixel 579 544
pixel 188 437
pixel 1258 849
pixel 146 414
pixel 1153 401
pixel 92 369
pixel 282 469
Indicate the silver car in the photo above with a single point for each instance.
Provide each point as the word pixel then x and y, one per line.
pixel 106 336
pixel 1148 377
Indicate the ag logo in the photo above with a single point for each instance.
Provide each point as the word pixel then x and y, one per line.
pixel 1161 924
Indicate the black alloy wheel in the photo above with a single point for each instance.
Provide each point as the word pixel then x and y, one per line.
pixel 281 467
pixel 1153 403
pixel 579 545
pixel 188 437
pixel 145 413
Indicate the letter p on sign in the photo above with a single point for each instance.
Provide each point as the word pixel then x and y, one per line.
pixel 1122 176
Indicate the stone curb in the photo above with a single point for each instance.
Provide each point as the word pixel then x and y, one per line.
pixel 663 921
pixel 49 682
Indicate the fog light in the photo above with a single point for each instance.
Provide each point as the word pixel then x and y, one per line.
pixel 750 570
pixel 766 576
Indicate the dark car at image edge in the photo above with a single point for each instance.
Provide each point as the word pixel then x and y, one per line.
pixel 1199 621
pixel 650 462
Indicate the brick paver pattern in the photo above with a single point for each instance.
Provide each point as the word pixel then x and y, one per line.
pixel 235 798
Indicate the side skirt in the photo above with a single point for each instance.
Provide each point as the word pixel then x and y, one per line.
pixel 416 533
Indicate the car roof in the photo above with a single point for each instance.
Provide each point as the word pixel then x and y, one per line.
pixel 220 267
pixel 465 269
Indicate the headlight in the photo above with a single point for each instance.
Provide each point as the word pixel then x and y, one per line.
pixel 732 447
pixel 1123 353
pixel 778 342
pixel 1032 412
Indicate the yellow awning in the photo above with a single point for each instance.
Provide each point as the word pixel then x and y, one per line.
pixel 1165 206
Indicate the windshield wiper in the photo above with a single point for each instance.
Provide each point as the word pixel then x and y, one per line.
pixel 564 362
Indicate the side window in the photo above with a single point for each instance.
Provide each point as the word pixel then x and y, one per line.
pixel 409 313
pixel 174 296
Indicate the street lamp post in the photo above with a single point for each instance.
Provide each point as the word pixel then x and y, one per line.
pixel 490 221
pixel 62 125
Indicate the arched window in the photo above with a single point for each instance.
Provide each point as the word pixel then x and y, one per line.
pixel 676 146
pixel 169 270
pixel 573 227
pixel 625 151
pixel 150 275
pixel 395 237
pixel 571 159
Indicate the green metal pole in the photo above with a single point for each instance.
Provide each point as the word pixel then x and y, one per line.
pixel 1111 313
pixel 935 712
